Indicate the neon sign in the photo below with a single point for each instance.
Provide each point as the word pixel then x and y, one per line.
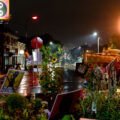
pixel 4 9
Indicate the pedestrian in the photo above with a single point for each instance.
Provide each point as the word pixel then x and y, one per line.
pixel 18 67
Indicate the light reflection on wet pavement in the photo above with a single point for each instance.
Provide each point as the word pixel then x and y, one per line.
pixel 29 84
pixel 72 80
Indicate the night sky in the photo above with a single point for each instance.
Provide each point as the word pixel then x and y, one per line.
pixel 70 21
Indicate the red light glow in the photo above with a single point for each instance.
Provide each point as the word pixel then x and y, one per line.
pixel 34 17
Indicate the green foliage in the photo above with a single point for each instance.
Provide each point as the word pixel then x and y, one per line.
pixel 2 97
pixel 38 103
pixel 52 84
pixel 94 76
pixel 25 113
pixel 23 109
pixel 90 78
pixel 50 79
pixel 83 107
pixel 51 51
pixel 16 101
pixel 107 108
pixel 68 117
pixel 42 117
pixel 3 116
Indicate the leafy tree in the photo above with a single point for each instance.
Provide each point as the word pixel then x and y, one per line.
pixel 51 77
pixel 51 51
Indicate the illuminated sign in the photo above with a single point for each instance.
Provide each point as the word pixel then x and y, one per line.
pixel 4 9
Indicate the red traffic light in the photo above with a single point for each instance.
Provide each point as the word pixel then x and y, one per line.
pixel 35 17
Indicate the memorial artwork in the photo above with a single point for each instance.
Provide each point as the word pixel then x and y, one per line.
pixel 112 82
pixel 12 80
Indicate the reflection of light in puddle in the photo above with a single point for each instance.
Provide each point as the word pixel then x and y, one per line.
pixel 118 90
pixel 65 67
pixel 66 80
pixel 23 92
pixel 79 86
pixel 37 89
pixel 66 87
pixel 22 87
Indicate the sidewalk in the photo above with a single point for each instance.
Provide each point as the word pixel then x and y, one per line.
pixel 29 84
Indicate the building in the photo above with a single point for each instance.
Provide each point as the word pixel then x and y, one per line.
pixel 11 51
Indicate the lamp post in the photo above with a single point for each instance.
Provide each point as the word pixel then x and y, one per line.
pixel 98 41
pixel 51 43
pixel 34 18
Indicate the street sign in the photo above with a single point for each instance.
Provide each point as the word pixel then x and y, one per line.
pixel 4 9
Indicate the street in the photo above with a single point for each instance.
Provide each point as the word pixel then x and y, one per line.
pixel 71 81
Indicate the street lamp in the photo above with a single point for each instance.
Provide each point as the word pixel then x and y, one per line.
pixel 51 43
pixel 34 18
pixel 98 40
pixel 27 22
pixel 95 34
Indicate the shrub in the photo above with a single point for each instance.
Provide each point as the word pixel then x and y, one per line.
pixel 38 103
pixel 16 101
pixel 3 116
pixel 42 117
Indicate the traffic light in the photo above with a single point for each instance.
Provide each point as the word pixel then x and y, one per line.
pixel 4 9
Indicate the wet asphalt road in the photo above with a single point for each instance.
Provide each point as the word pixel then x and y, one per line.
pixel 71 81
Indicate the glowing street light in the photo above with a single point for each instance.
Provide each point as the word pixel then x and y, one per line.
pixel 27 22
pixel 35 17
pixel 95 34
pixel 21 52
pixel 98 40
pixel 51 43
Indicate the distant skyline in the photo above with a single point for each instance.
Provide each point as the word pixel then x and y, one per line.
pixel 70 21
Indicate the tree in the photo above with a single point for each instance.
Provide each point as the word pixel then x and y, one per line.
pixel 51 51
pixel 114 42
pixel 51 77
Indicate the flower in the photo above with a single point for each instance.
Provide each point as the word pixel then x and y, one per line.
pixel 87 78
pixel 54 60
pixel 83 93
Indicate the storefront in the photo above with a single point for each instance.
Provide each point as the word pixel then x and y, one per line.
pixel 11 54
